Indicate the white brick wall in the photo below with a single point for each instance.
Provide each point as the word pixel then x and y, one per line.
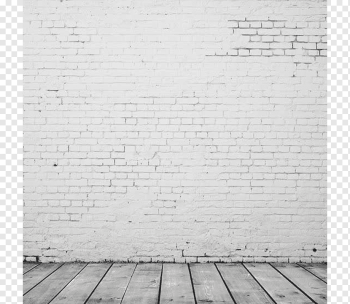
pixel 179 131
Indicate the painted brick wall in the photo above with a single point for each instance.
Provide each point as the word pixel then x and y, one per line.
pixel 179 131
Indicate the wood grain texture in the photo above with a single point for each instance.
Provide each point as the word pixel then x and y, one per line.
pixel 208 285
pixel 79 289
pixel 307 282
pixel 176 285
pixel 28 266
pixel 243 287
pixel 319 270
pixel 144 285
pixel 44 292
pixel 113 286
pixel 278 287
pixel 35 276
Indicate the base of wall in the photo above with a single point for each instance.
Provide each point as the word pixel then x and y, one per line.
pixel 271 259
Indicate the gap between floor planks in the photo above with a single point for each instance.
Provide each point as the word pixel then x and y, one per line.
pixel 240 283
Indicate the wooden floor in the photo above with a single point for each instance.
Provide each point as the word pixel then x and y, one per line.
pixel 76 283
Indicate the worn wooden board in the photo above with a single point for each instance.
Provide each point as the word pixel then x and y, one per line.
pixel 208 285
pixel 144 285
pixel 35 276
pixel 307 282
pixel 113 286
pixel 243 287
pixel 319 270
pixel 80 288
pixel 278 287
pixel 44 292
pixel 28 266
pixel 176 285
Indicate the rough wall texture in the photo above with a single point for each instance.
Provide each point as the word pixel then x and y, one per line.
pixel 179 131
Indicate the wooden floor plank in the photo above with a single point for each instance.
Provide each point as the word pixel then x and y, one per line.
pixel 112 288
pixel 79 289
pixel 28 266
pixel 35 276
pixel 243 287
pixel 176 285
pixel 144 285
pixel 44 292
pixel 278 287
pixel 208 285
pixel 307 282
pixel 319 270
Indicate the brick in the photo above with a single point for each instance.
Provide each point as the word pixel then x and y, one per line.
pixel 267 38
pixel 255 38
pixel 259 45
pixel 293 32
pixel 267 52
pixel 248 32
pixel 255 24
pixel 243 52
pixel 244 24
pixel 269 32
pixel 302 38
pixel 233 24
pixel 321 46
pixel 267 24
pixel 255 52
pixel 280 45
pixel 290 24
pixel 278 24
pixel 278 52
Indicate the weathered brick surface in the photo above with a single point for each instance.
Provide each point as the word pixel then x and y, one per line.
pixel 175 130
